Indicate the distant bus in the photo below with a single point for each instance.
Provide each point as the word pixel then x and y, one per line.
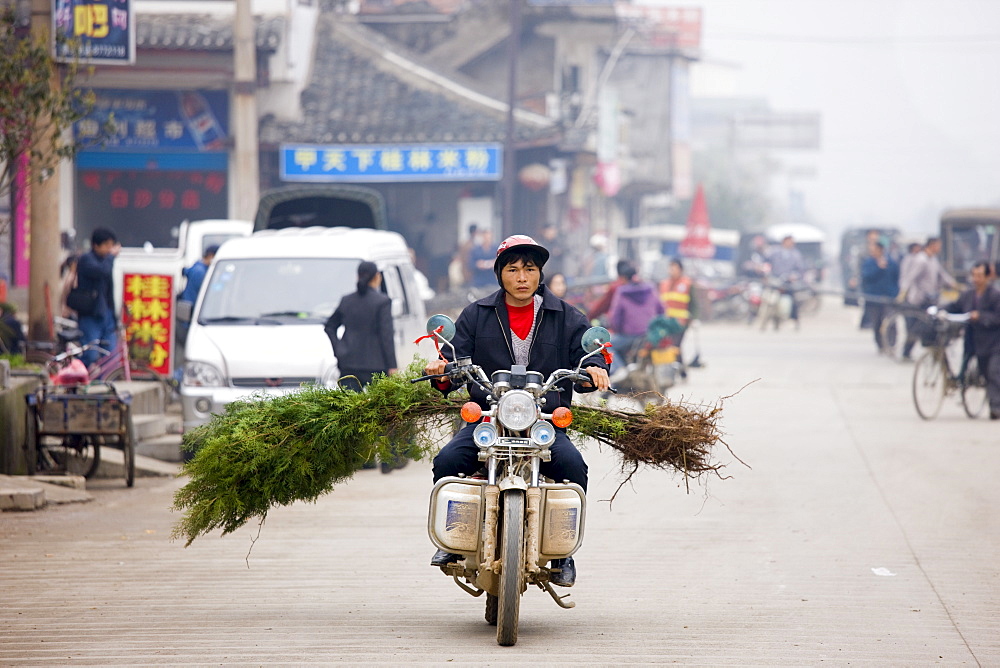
pixel 969 236
pixel 653 246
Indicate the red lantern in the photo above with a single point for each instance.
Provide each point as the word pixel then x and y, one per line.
pixel 535 176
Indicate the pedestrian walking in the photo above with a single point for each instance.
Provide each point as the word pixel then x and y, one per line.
pixel 677 295
pixel 982 303
pixel 924 279
pixel 366 346
pixel 67 272
pixel 195 275
pixel 879 286
pixel 94 276
pixel 481 258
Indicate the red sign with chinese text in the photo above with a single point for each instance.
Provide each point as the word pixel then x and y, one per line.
pixel 148 314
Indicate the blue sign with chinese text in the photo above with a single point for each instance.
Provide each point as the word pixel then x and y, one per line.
pixel 103 30
pixel 145 120
pixel 391 163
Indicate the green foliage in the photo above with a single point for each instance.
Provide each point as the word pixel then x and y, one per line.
pixel 16 360
pixel 35 115
pixel 267 452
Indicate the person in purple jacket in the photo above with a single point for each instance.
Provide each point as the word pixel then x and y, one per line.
pixel 635 304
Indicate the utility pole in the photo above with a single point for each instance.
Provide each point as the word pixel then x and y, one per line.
pixel 43 202
pixel 510 143
pixel 246 172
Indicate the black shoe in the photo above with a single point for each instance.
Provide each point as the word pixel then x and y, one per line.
pixel 994 416
pixel 563 572
pixel 442 558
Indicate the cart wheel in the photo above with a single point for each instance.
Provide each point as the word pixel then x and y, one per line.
pixel 31 440
pixel 79 454
pixel 128 448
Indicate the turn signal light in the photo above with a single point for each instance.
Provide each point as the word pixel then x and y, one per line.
pixel 562 417
pixel 471 411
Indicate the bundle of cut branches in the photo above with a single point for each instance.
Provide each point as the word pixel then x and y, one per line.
pixel 668 436
pixel 264 452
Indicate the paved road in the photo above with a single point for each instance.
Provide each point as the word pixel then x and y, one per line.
pixel 861 535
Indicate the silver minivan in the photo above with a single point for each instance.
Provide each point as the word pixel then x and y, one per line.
pixel 257 326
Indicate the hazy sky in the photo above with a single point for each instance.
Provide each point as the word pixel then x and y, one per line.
pixel 909 92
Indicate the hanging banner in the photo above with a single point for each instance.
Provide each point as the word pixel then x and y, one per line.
pixel 97 31
pixel 148 315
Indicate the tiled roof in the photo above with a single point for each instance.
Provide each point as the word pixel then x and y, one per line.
pixel 193 32
pixel 364 90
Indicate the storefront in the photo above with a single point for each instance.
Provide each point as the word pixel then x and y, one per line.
pixel 166 162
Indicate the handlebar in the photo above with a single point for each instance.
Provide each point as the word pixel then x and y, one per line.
pixel 76 352
pixel 475 374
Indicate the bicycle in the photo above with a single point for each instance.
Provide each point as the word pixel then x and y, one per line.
pixel 69 419
pixel 933 377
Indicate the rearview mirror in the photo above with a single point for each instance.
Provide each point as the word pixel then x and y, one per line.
pixel 594 338
pixel 440 320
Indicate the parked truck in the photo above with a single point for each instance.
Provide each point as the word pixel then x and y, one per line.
pixel 192 240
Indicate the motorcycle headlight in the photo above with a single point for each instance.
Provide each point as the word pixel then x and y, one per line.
pixel 543 433
pixel 485 434
pixel 517 410
pixel 202 374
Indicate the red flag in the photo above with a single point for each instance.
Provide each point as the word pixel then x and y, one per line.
pixel 696 242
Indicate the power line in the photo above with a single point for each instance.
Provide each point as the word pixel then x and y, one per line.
pixel 878 40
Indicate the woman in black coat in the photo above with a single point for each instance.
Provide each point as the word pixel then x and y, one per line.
pixel 367 346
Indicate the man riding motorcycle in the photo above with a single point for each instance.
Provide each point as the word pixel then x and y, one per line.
pixel 522 323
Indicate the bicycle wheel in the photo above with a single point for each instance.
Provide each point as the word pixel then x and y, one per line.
pixel 929 384
pixel 141 372
pixel 974 398
pixel 76 454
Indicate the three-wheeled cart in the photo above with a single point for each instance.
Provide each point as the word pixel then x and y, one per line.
pixel 68 426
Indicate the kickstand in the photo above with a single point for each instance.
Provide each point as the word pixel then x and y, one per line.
pixel 556 597
pixel 474 591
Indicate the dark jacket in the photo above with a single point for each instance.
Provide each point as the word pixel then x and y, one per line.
pixel 483 333
pixel 986 330
pixel 368 343
pixel 879 282
pixel 95 273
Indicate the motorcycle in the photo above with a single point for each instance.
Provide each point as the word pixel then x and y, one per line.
pixel 509 521
pixel 652 365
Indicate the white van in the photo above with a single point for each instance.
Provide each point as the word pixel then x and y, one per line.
pixel 258 323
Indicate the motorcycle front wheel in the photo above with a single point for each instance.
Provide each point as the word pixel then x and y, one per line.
pixel 512 567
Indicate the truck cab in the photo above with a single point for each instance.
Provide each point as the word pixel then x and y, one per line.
pixel 193 237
